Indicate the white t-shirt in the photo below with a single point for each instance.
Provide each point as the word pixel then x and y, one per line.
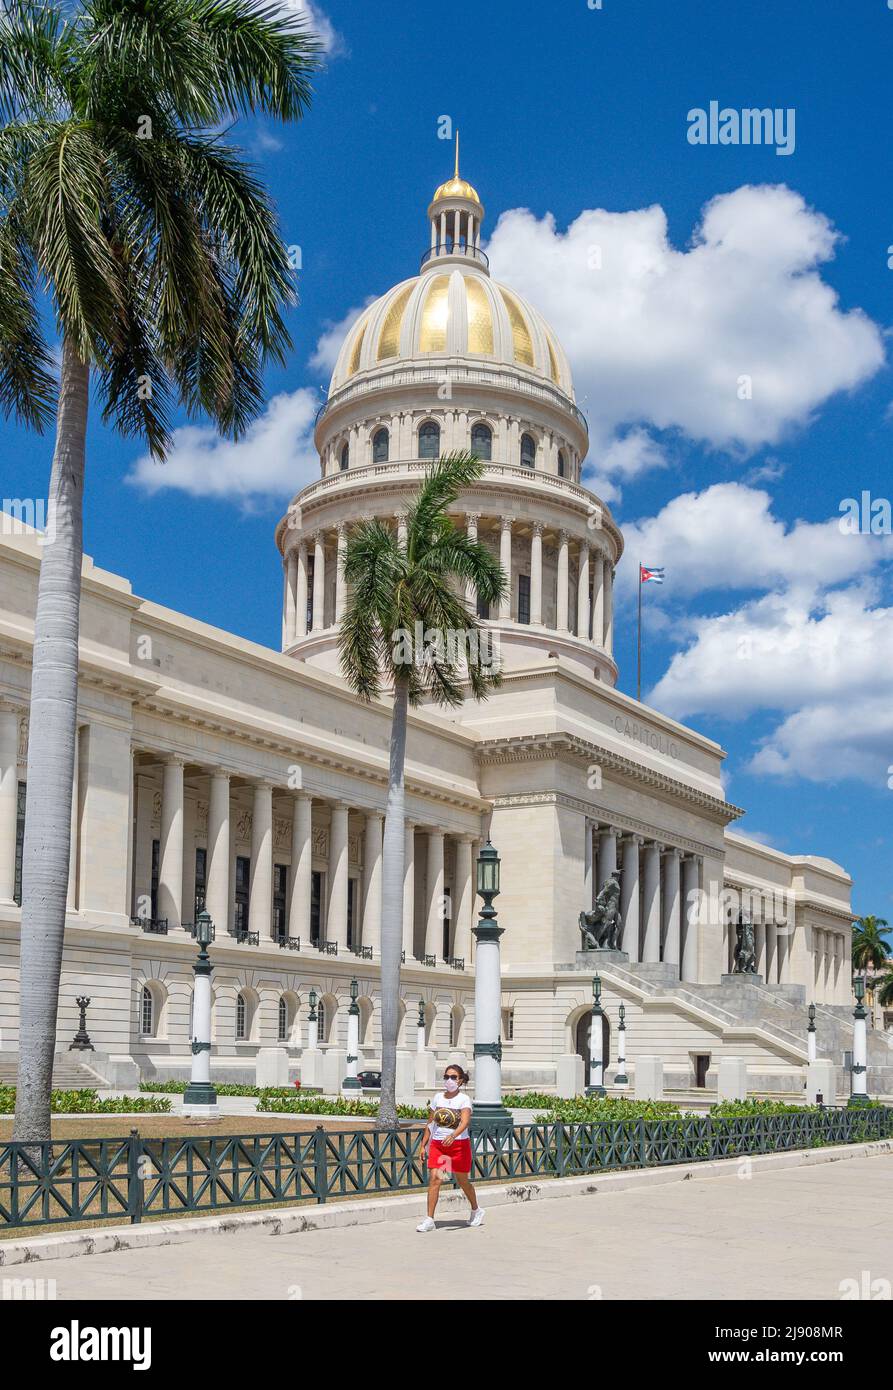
pixel 458 1101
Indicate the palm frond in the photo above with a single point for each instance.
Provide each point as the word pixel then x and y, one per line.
pixel 27 383
pixel 33 60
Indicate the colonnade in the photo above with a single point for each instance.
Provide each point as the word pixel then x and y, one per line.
pixel 343 898
pixel 581 606
pixel 659 895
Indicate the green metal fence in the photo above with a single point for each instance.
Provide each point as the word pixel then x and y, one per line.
pixel 83 1180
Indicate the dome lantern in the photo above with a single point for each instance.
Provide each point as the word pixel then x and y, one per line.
pixel 455 215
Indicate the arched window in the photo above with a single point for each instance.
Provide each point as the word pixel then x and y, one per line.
pixel 380 446
pixel 321 1021
pixel 562 464
pixel 283 1020
pixel 147 1012
pixel 429 440
pixel 345 457
pixel 528 451
pixel 241 1018
pixel 482 441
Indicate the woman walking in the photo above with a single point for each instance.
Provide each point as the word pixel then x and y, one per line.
pixel 447 1145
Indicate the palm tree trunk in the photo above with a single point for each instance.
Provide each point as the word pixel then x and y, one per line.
pixel 392 909
pixel 51 745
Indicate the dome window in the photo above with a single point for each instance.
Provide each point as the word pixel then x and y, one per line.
pixel 381 441
pixel 528 451
pixel 482 441
pixel 429 440
pixel 562 464
pixel 344 462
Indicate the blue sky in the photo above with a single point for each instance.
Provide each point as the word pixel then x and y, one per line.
pixel 774 631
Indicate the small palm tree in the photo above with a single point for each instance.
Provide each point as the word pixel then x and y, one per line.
pixel 870 948
pixel 161 256
pixel 405 628
pixel 883 986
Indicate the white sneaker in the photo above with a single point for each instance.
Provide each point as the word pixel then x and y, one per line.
pixel 426 1225
pixel 477 1217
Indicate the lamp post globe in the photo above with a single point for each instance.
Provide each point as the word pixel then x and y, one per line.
pixel 596 1085
pixel 350 1086
pixel 810 1035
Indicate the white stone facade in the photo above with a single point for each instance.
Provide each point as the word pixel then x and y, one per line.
pixel 212 771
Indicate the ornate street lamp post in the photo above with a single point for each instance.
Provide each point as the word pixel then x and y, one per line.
pixel 312 1024
pixel 200 1098
pixel 420 1028
pixel 621 1079
pixel 810 1034
pixel 81 1040
pixel 489 1116
pixel 859 1094
pixel 351 1085
pixel 596 1085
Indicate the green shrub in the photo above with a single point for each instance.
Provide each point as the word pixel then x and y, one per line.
pixel 301 1103
pixel 176 1088
pixel 88 1102
pixel 586 1109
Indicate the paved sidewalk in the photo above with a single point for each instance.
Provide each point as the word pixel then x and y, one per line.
pixel 782 1234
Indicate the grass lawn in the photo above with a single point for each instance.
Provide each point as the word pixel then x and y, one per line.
pixel 172 1126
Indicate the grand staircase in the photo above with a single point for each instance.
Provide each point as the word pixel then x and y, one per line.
pixel 68 1074
pixel 775 1014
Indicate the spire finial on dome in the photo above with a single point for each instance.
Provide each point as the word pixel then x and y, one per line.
pixel 456 175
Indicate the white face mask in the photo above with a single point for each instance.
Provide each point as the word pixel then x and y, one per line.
pixel 450 1086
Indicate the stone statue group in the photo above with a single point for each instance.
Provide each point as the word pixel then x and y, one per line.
pixel 602 928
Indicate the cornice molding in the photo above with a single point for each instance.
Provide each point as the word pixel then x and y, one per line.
pixel 546 747
pixel 626 825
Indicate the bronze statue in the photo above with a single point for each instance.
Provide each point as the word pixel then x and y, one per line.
pixel 745 953
pixel 602 927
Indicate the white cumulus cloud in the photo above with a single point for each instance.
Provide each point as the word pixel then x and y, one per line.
pixel 734 340
pixel 275 457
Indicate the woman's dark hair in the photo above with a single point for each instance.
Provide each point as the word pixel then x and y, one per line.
pixel 454 1066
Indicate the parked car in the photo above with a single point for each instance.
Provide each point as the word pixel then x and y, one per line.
pixel 369 1079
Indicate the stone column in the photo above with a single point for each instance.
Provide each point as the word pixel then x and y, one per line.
pixel 260 887
pixel 505 560
pixel 170 862
pixel 372 883
pixel 598 598
pixel 629 895
pixel 336 922
pixel 536 574
pixel 771 953
pixel 471 527
pixel 561 601
pixel 217 892
pixel 671 926
pixel 583 593
pixel 464 899
pixel 302 591
pixel 690 917
pixel 588 866
pixel 291 581
pixel 340 584
pixel 319 581
pixel 9 791
pixel 434 887
pixel 401 528
pixel 301 867
pixel 409 890
pixel 609 608
pixel 759 947
pixel 607 855
pixel 651 903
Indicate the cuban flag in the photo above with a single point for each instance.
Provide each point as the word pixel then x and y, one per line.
pixel 650 575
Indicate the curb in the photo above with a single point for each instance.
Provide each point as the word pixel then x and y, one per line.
pixel 340 1214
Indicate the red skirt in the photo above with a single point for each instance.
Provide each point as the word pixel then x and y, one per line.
pixel 455 1159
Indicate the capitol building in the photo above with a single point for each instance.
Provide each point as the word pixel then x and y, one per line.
pixel 213 772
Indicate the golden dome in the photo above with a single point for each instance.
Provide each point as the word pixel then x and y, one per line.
pixel 456 188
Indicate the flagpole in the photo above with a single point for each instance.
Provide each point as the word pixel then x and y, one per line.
pixel 639 662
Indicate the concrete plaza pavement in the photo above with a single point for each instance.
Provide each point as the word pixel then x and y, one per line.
pixel 782 1234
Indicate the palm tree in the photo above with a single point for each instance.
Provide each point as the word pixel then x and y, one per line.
pixel 405 627
pixel 870 949
pixel 161 256
pixel 883 984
